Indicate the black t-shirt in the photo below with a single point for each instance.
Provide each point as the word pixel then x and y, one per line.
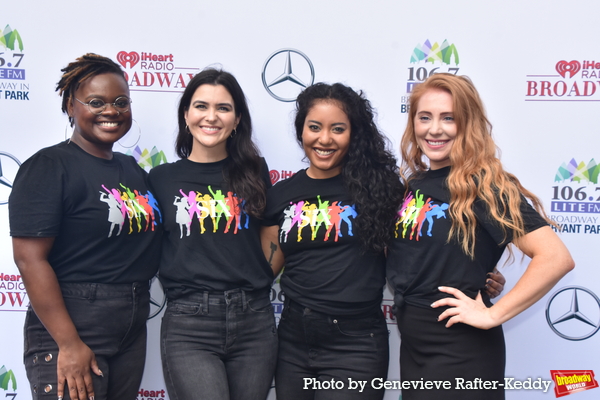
pixel 420 259
pixel 324 267
pixel 103 217
pixel 210 243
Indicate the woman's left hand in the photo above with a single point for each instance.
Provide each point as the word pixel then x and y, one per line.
pixel 494 284
pixel 464 309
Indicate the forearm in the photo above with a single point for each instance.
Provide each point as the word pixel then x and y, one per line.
pixel 539 278
pixel 269 238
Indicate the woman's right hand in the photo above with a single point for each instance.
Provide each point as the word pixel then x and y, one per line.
pixel 75 361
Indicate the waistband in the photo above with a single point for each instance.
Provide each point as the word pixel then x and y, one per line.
pixel 99 290
pixel 205 296
pixel 296 307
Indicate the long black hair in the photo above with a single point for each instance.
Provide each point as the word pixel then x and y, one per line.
pixel 369 170
pixel 83 68
pixel 243 172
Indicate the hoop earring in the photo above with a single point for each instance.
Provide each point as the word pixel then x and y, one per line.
pixel 138 137
pixel 233 133
pixel 67 136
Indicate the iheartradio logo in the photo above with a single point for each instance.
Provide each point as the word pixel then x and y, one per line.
pixel 570 68
pixel 132 58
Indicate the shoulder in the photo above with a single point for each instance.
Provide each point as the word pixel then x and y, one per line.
pixel 299 178
pixel 164 169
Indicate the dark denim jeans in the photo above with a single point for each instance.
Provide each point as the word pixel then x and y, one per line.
pixel 316 348
pixel 219 346
pixel 111 320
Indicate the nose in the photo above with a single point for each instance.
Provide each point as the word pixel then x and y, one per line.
pixel 436 127
pixel 109 108
pixel 211 114
pixel 325 137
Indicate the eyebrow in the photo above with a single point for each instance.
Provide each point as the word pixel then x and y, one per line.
pixel 206 102
pixel 320 123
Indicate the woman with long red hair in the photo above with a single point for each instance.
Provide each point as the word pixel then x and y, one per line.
pixel 460 211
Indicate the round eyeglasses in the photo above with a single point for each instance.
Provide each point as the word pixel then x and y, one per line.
pixel 98 106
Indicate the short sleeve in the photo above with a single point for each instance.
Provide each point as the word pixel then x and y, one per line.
pixel 36 202
pixel 532 221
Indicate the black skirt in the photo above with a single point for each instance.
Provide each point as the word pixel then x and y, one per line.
pixel 460 362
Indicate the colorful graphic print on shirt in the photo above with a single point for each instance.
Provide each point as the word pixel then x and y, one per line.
pixel 415 212
pixel 133 206
pixel 215 205
pixel 322 215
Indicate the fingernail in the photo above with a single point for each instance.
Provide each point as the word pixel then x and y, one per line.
pixel 101 374
pixel 486 287
pixel 59 398
pixel 91 398
pixel 488 281
pixel 432 304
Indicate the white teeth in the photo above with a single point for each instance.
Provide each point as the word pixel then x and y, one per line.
pixel 324 152
pixel 435 143
pixel 108 124
pixel 210 129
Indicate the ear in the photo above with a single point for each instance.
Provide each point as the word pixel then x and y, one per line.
pixel 70 107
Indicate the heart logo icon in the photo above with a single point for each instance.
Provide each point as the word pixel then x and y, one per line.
pixel 571 68
pixel 132 58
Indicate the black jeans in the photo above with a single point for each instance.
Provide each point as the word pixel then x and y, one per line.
pixel 316 348
pixel 111 321
pixel 219 346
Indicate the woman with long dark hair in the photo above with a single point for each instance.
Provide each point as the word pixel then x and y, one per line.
pixel 331 223
pixel 218 335
pixel 79 242
pixel 460 211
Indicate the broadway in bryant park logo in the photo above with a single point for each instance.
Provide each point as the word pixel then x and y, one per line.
pixel 571 381
pixel 443 58
pixel 12 74
pixel 575 80
pixel 154 72
pixel 575 205
pixel 148 159
pixel 7 379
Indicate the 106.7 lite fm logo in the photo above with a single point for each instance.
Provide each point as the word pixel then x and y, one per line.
pixel 153 72
pixel 426 60
pixel 575 205
pixel 12 73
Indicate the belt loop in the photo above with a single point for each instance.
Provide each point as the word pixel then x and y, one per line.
pixel 205 303
pixel 92 294
pixel 244 303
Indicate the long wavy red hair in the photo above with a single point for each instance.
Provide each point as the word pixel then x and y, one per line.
pixel 476 171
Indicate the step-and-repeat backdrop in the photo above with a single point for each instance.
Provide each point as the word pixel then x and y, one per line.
pixel 536 65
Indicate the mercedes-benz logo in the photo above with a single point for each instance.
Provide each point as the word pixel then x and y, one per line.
pixel 279 76
pixel 573 313
pixel 9 165
pixel 157 298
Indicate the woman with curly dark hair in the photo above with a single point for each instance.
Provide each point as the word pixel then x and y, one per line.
pixel 331 223
pixel 218 335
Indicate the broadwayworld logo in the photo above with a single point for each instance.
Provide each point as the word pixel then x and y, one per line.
pixel 572 381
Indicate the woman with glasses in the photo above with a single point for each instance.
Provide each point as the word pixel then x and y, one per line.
pixel 218 335
pixel 85 245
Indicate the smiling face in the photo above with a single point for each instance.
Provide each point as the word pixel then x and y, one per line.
pixel 326 139
pixel 435 128
pixel 211 119
pixel 96 134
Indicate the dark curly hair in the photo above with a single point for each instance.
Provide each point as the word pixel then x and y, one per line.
pixel 83 68
pixel 369 171
pixel 243 172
